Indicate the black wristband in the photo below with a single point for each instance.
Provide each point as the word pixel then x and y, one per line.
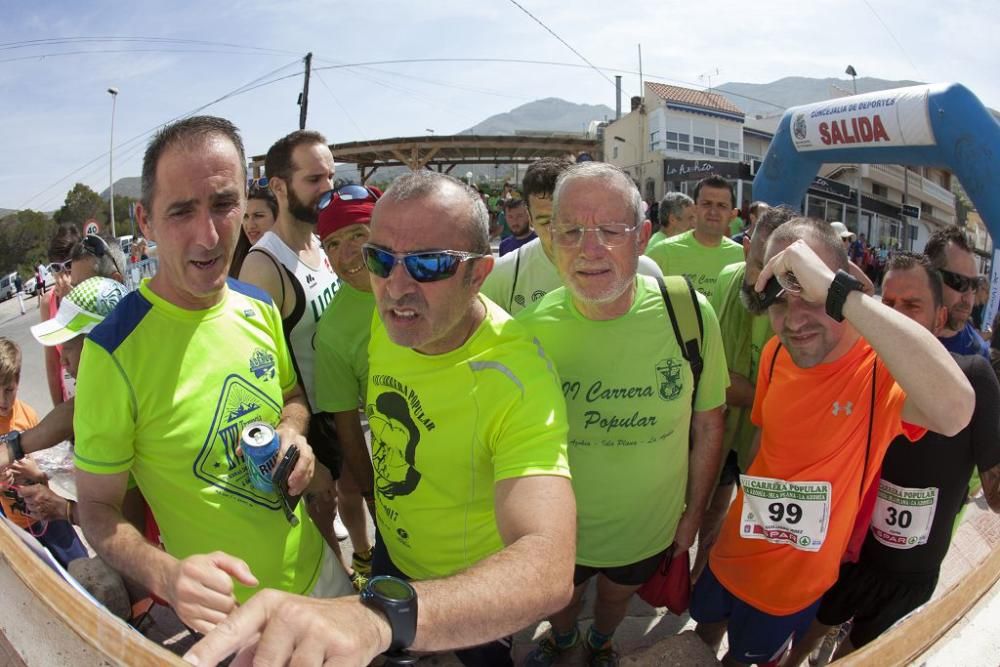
pixel 843 284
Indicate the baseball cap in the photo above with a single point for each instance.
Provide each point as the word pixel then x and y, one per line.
pixel 344 212
pixel 842 230
pixel 80 311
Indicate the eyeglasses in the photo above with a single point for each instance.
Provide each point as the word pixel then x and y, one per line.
pixel 345 193
pixel 97 247
pixel 958 282
pixel 59 267
pixel 424 267
pixel 609 235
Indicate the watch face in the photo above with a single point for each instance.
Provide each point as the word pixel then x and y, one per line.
pixel 391 588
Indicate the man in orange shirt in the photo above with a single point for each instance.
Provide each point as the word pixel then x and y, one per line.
pixel 833 391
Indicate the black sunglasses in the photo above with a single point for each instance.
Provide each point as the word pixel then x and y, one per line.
pixel 98 247
pixel 345 193
pixel 958 282
pixel 424 267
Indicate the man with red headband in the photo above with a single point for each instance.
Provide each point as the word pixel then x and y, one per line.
pixel 342 358
pixel 288 263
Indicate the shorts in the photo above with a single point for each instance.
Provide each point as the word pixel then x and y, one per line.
pixel 635 574
pixel 322 437
pixel 754 636
pixel 874 599
pixel 730 469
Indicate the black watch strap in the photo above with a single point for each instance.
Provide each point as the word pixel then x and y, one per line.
pixel 843 284
pixel 399 607
pixel 13 440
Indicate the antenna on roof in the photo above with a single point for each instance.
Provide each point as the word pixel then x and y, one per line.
pixel 641 86
pixel 707 76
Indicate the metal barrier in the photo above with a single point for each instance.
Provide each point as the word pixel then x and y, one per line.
pixel 135 272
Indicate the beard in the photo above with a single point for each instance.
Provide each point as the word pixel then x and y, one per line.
pixel 752 300
pixel 300 210
pixel 957 317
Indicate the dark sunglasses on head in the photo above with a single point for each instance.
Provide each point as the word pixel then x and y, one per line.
pixel 345 193
pixel 98 247
pixel 424 267
pixel 958 282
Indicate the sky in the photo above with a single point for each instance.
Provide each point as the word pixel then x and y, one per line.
pixel 169 59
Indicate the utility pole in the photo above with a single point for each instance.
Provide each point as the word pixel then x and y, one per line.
pixel 304 97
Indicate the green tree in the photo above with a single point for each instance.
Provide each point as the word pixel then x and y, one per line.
pixel 123 223
pixel 81 204
pixel 24 241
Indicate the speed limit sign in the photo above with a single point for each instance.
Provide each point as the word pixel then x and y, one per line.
pixel 91 227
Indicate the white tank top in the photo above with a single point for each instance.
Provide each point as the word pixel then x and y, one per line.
pixel 314 289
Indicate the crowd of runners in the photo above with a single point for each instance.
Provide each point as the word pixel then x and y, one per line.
pixel 611 393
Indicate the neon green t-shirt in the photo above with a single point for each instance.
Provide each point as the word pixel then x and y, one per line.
pixel 628 398
pixel 342 350
pixel 743 337
pixel 164 393
pixel 446 428
pixel 656 237
pixel 684 255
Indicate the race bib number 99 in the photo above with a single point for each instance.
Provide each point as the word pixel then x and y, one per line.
pixel 792 513
pixel 903 517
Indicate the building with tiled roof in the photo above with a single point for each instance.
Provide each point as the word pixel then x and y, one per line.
pixel 688 99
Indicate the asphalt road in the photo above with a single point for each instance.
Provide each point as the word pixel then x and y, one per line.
pixel 34 389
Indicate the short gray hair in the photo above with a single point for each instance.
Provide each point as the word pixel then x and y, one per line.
pixel 604 172
pixel 673 203
pixel 106 265
pixel 425 183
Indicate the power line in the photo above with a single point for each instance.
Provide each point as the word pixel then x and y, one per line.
pixel 564 42
pixel 30 43
pixel 898 43
pixel 247 87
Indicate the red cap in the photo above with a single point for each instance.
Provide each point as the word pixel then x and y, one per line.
pixel 340 214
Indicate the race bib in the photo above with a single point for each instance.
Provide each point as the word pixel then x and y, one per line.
pixel 903 517
pixel 792 513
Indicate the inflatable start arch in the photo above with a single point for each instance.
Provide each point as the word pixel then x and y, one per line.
pixel 938 125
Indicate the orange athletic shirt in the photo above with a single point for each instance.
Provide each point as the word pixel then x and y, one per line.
pixel 814 427
pixel 22 417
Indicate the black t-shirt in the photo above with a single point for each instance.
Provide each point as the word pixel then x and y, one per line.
pixel 945 463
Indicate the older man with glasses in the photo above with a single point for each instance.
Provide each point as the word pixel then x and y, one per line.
pixel 469 443
pixel 950 253
pixel 640 490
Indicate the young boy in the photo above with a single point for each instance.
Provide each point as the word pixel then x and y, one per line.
pixel 58 536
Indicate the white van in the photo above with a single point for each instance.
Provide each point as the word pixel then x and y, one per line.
pixel 8 288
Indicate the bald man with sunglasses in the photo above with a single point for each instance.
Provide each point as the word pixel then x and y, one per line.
pixel 468 431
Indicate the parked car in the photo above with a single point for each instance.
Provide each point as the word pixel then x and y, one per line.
pixel 29 286
pixel 7 287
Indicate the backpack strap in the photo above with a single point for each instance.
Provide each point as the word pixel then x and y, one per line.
pixel 685 318
pixel 513 286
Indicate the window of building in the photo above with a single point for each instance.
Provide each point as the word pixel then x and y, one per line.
pixel 614 152
pixel 913 233
pixel 880 190
pixel 816 208
pixel 729 149
pixel 703 145
pixel 654 140
pixel 834 211
pixel 926 209
pixel 677 141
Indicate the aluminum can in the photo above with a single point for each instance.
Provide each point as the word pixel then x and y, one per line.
pixel 260 444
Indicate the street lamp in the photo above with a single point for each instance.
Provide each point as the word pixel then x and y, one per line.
pixel 111 157
pixel 429 131
pixel 853 73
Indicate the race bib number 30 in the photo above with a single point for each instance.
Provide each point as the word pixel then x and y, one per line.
pixel 792 513
pixel 903 517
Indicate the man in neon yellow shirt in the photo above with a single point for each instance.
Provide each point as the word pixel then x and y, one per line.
pixel 469 445
pixel 638 489
pixel 168 381
pixel 341 344
pixel 700 254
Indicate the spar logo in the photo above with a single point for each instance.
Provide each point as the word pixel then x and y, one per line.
pixel 863 130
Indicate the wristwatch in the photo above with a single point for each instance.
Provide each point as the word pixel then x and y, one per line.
pixel 14 449
pixel 843 284
pixel 397 600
